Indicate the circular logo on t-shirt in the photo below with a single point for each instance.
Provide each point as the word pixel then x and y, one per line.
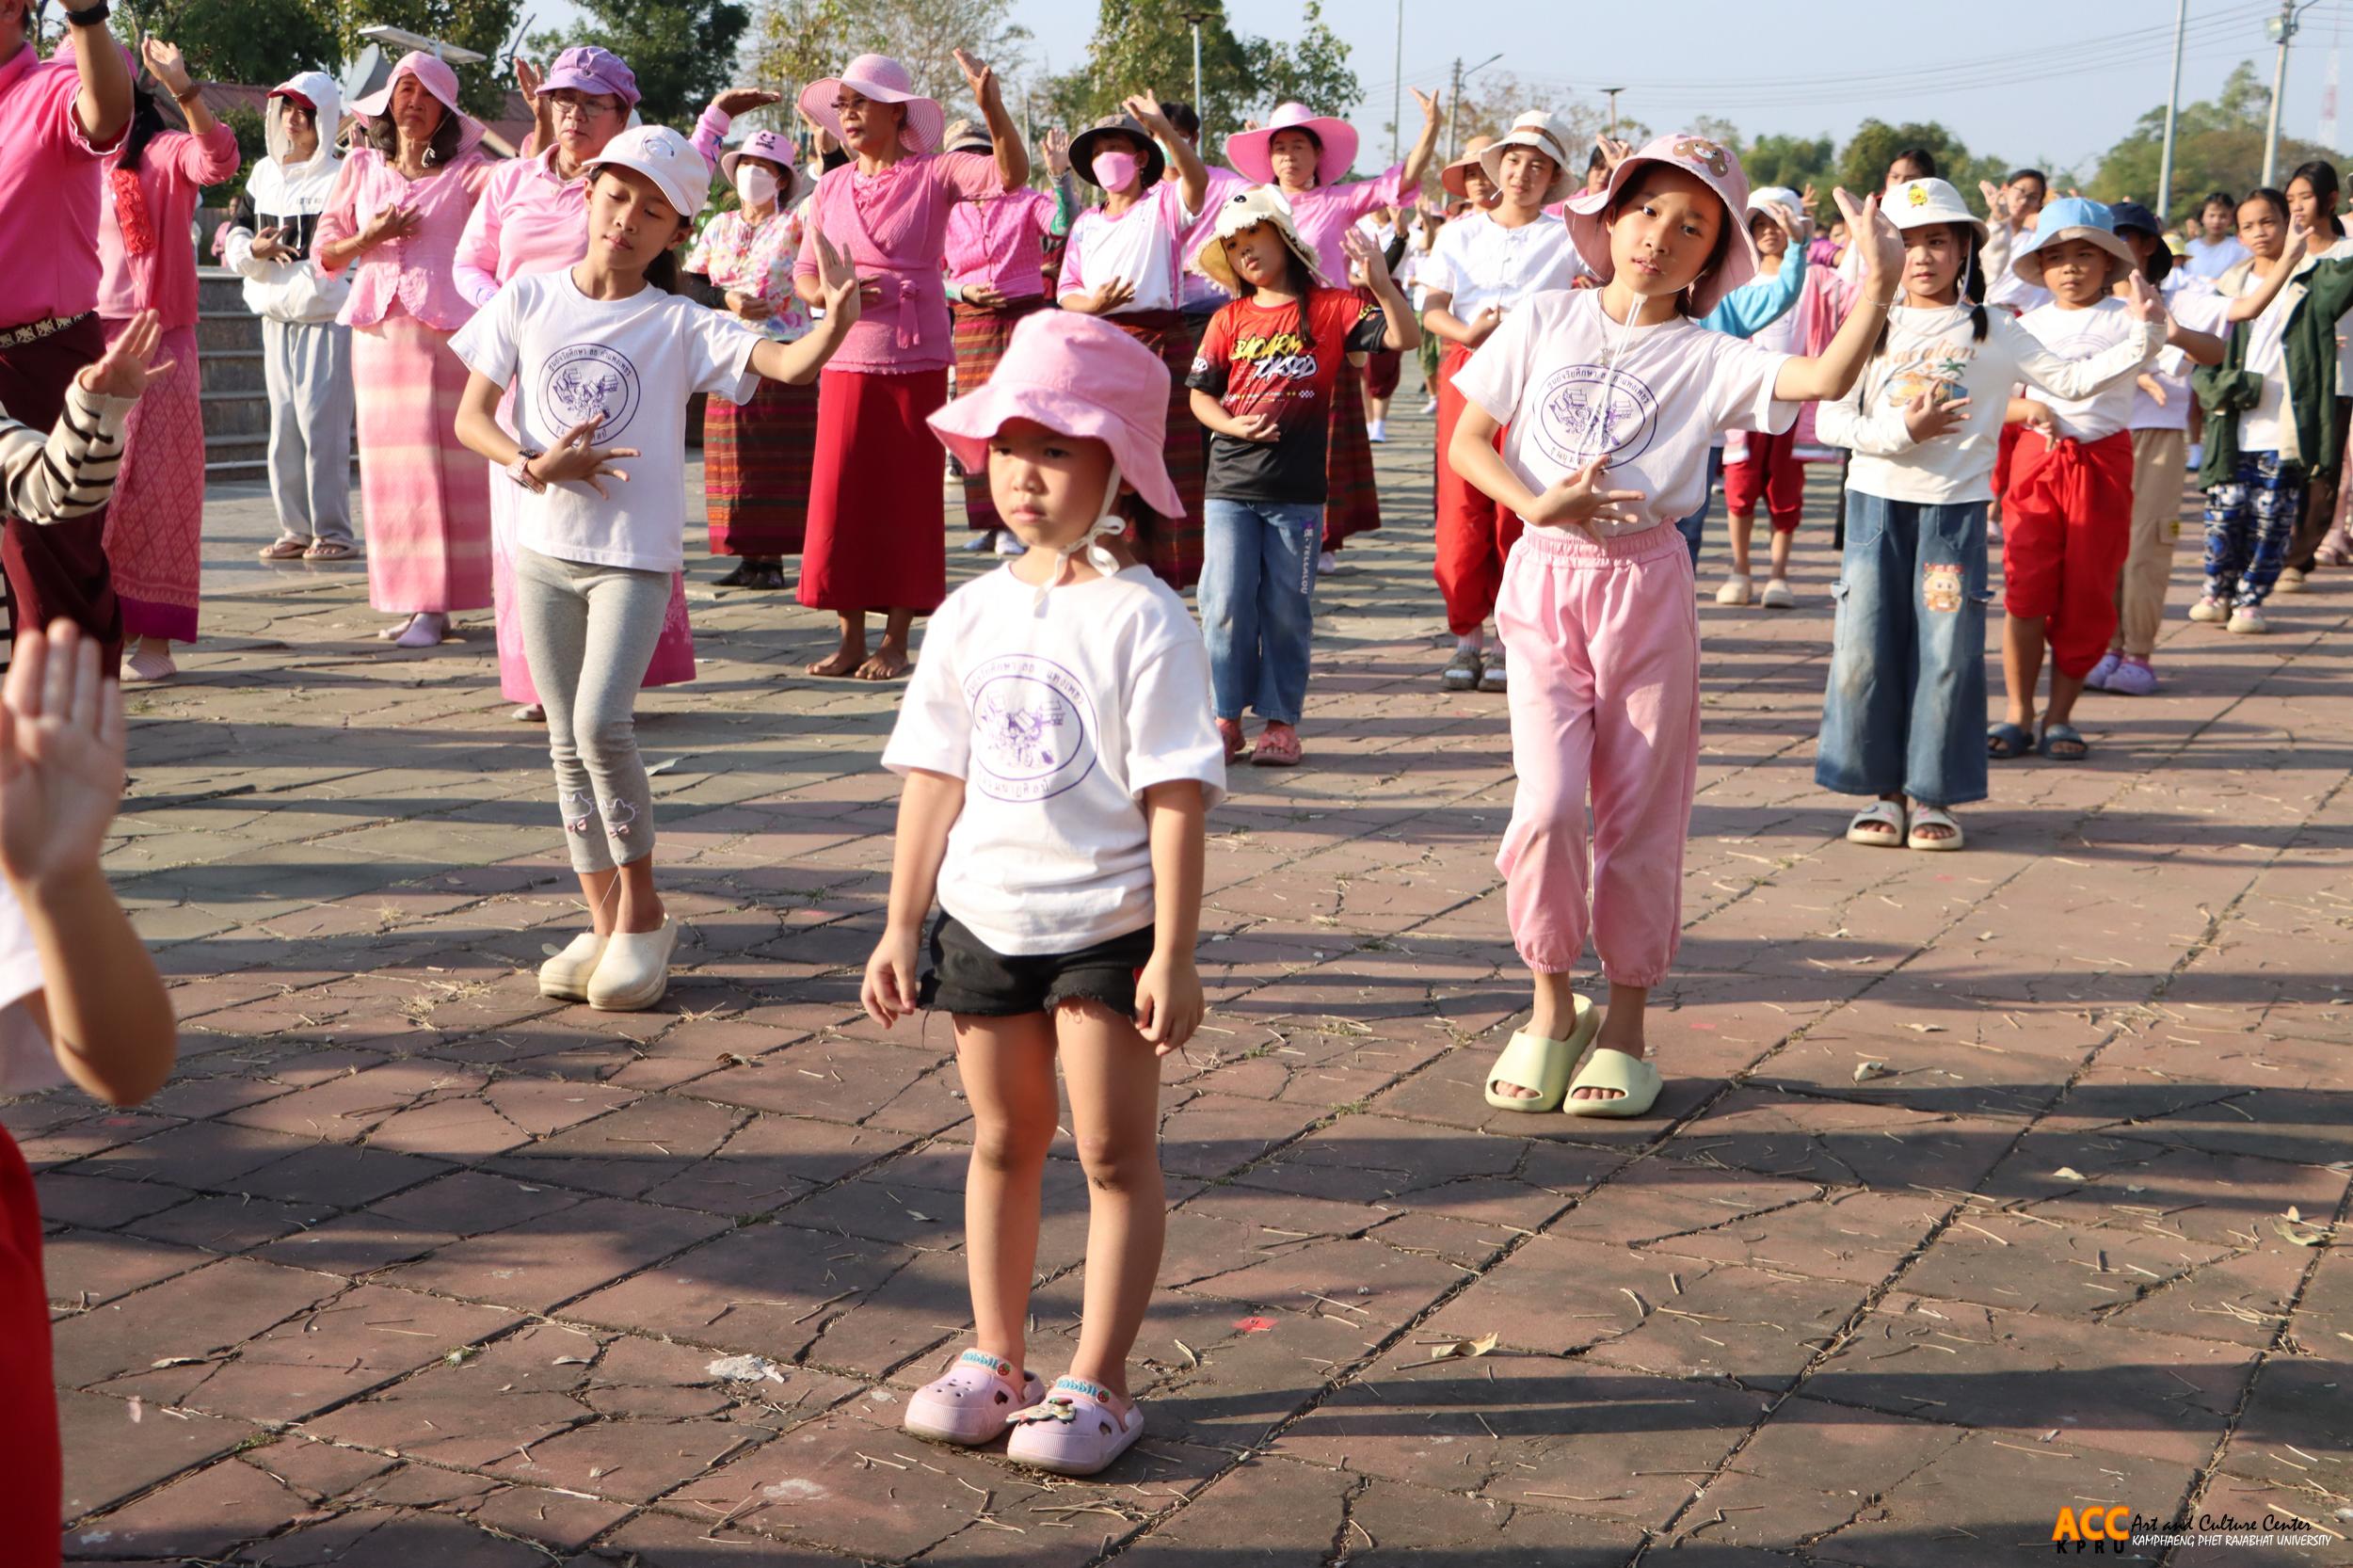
pixel 1584 412
pixel 589 381
pixel 1033 728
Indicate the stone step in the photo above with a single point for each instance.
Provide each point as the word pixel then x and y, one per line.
pixel 234 370
pixel 234 414
pixel 224 331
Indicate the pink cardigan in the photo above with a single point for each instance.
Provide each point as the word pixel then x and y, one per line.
pixel 1327 212
pixel 174 167
pixel 420 273
pixel 893 227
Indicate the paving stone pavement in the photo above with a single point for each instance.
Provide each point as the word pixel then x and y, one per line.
pixel 410 1267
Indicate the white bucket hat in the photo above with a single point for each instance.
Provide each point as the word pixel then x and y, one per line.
pixel 1918 204
pixel 1538 130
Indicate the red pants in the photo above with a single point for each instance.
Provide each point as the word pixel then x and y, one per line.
pixel 59 571
pixel 2067 524
pixel 2005 452
pixel 1475 533
pixel 32 1482
pixel 1770 471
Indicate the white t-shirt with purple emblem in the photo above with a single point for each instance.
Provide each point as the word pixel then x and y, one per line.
pixel 1057 714
pixel 629 363
pixel 1572 385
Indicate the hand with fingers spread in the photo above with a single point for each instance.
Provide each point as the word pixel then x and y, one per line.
pixel 124 370
pixel 60 757
pixel 576 457
pixel 527 79
pixel 1577 501
pixel 1997 203
pixel 392 223
pixel 1056 142
pixel 1881 243
pixel 1368 268
pixel 1928 416
pixel 846 292
pixel 166 64
pixel 269 245
pixel 1145 108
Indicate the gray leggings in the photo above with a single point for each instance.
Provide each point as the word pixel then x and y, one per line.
pixel 589 631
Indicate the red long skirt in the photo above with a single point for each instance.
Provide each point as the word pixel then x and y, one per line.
pixel 877 535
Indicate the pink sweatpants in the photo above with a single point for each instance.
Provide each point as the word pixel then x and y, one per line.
pixel 1605 696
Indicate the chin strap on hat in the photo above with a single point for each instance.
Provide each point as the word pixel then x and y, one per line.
pixel 1108 523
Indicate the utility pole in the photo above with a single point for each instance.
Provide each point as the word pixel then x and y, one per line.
pixel 1613 106
pixel 1396 88
pixel 2280 29
pixel 1455 115
pixel 2172 111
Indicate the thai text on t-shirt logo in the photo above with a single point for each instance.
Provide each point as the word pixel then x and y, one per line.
pixel 1585 412
pixel 588 382
pixel 1033 728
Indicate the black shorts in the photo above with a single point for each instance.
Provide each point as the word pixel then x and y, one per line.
pixel 967 975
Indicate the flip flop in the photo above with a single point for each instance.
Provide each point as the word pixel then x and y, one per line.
pixel 2065 734
pixel 1072 1432
pixel 1631 1076
pixel 1535 1063
pixel 1635 1079
pixel 1888 814
pixel 1934 816
pixel 971 1401
pixel 2005 741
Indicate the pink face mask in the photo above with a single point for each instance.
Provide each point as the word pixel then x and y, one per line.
pixel 1116 170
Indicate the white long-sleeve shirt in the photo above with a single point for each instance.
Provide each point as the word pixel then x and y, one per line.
pixel 1934 350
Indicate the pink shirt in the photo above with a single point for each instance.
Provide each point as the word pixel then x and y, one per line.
pixel 1327 212
pixel 173 170
pixel 49 170
pixel 893 227
pixel 417 274
pixel 532 219
pixel 997 242
pixel 1200 292
pixel 1145 247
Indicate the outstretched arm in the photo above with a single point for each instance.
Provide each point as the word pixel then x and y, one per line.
pixel 1426 144
pixel 1829 373
pixel 102 107
pixel 838 293
pixel 1013 158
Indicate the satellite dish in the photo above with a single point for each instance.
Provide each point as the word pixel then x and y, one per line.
pixel 403 38
pixel 364 72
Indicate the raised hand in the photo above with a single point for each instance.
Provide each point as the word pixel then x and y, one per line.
pixel 1367 266
pixel 1790 223
pixel 527 79
pixel 1881 242
pixel 735 101
pixel 165 63
pixel 1811 200
pixel 60 756
pixel 1613 151
pixel 1577 501
pixel 980 79
pixel 2144 302
pixel 1145 108
pixel 845 296
pixel 576 457
pixel 1057 144
pixel 1928 416
pixel 124 370
pixel 1996 203
pixel 1429 102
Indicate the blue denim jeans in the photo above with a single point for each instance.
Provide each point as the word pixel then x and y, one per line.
pixel 1257 603
pixel 1906 705
pixel 1694 525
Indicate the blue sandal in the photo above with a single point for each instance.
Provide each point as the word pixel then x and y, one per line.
pixel 2065 735
pixel 2004 742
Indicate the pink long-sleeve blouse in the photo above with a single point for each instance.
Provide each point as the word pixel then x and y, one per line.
pixel 893 226
pixel 161 276
pixel 998 242
pixel 1327 212
pixel 420 273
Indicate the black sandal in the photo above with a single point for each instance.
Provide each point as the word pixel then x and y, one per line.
pixel 740 578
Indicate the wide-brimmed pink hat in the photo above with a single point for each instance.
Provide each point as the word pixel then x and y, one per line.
pixel 1247 151
pixel 885 81
pixel 439 80
pixel 1454 179
pixel 776 148
pixel 1079 376
pixel 1716 167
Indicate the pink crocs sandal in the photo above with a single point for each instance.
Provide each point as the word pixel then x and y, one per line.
pixel 1073 1432
pixel 972 1402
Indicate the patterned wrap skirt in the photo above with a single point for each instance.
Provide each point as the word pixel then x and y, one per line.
pixel 426 498
pixel 154 526
pixel 1171 546
pixel 1352 504
pixel 756 462
pixel 982 332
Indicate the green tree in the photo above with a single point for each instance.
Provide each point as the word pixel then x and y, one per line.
pixel 226 43
pixel 683 51
pixel 1796 162
pixel 2218 145
pixel 1314 71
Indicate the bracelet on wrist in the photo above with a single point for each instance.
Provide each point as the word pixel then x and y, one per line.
pixel 89 16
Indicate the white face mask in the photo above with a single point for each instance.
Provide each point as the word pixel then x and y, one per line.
pixel 756 184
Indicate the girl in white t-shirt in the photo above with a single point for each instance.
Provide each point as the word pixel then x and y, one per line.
pixel 1058 761
pixel 1608 399
pixel 597 354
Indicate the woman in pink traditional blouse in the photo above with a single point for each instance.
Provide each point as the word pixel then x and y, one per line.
pixel 397 210
pixel 156 522
pixel 1304 155
pixel 875 540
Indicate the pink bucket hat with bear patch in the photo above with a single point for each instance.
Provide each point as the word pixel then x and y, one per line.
pixel 1080 377
pixel 1715 166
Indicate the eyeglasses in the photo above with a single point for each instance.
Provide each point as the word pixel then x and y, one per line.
pixel 574 106
pixel 843 104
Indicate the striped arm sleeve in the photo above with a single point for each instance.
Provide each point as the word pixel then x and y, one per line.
pixel 70 473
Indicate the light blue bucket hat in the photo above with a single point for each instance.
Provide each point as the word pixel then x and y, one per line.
pixel 2074 217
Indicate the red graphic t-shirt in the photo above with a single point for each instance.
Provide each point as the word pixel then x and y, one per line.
pixel 1256 359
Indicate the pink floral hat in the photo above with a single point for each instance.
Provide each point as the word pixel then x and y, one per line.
pixel 1080 377
pixel 1716 166
pixel 439 80
pixel 1247 151
pixel 885 81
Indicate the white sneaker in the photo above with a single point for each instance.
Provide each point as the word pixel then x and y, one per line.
pixel 2291 582
pixel 2250 620
pixel 1327 564
pixel 635 969
pixel 1377 430
pixel 2209 609
pixel 564 976
pixel 977 540
pixel 1777 595
pixel 1009 543
pixel 1430 407
pixel 1734 590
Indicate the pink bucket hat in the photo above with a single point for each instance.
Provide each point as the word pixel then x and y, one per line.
pixel 775 148
pixel 439 80
pixel 1247 151
pixel 1080 377
pixel 1716 166
pixel 589 69
pixel 885 81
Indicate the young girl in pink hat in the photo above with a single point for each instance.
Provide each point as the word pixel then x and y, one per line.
pixel 1059 762
pixel 1307 156
pixel 1607 399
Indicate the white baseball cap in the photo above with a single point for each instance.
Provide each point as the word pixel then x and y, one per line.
pixel 666 158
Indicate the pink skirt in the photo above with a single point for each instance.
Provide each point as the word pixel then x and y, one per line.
pixel 673 663
pixel 154 528
pixel 426 498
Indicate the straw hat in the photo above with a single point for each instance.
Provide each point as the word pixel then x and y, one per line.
pixel 1247 209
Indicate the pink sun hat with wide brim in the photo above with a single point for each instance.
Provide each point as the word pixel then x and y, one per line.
pixel 1249 153
pixel 439 80
pixel 882 80
pixel 1080 377
pixel 1715 166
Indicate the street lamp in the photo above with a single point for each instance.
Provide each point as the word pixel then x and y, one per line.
pixel 1193 18
pixel 2280 29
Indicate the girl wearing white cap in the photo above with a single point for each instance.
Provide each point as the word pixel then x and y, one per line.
pixel 875 537
pixel 1607 399
pixel 597 355
pixel 1482 266
pixel 1904 716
